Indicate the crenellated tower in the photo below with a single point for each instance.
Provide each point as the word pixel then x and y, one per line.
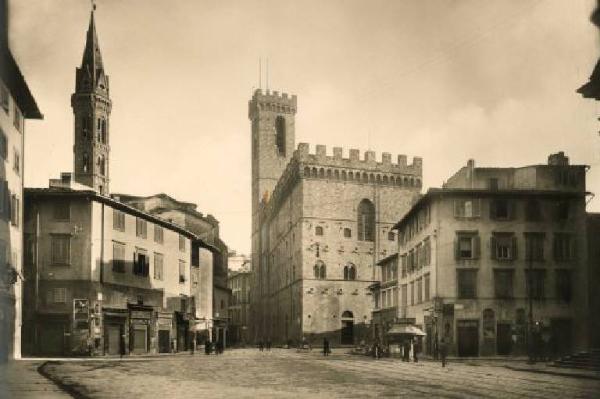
pixel 91 108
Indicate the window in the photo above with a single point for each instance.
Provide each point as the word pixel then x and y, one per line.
pixel 62 210
pixel 564 246
pixel 404 295
pixel 61 249
pixel 85 162
pixel 119 220
pixel 4 97
pixel 467 245
pixel 503 246
pixel 14 210
pixel 412 293
pixel 503 284
pixel 319 230
pixel 141 228
pixel 427 282
pixel 18 118
pixel 535 283
pixel 141 264
pixel 564 290
pixel 467 208
pixel 280 134
pixel 419 290
pixel 347 233
pixel 395 296
pixel 534 246
pixel 493 184
pixel 57 295
pixel 320 271
pixel 158 234
pixel 501 209
pixel 181 243
pixel 467 284
pixel 427 252
pixel 182 271
pixel 366 221
pixel 4 200
pixel 17 162
pixel 3 145
pixel 403 265
pixel 391 236
pixel 118 261
pixel 533 211
pixel 562 211
pixel 350 272
pixel 419 256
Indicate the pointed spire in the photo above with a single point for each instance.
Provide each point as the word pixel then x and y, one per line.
pixel 91 64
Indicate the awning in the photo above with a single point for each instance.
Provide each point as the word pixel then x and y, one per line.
pixel 200 325
pixel 405 330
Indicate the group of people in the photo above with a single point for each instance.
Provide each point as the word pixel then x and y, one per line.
pixel 264 345
pixel 210 346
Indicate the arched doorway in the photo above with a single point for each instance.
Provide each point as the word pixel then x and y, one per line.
pixel 347 337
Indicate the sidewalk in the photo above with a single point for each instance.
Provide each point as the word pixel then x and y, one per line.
pixel 20 379
pixel 544 368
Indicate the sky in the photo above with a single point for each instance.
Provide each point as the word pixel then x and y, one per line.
pixel 446 80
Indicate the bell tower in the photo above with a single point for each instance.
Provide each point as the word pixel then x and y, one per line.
pixel 91 109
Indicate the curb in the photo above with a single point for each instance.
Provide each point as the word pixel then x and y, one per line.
pixel 68 389
pixel 558 373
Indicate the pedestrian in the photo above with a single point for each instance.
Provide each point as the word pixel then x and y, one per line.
pixel 268 345
pixel 416 349
pixel 326 349
pixel 406 351
pixel 122 345
pixel 443 351
pixel 261 346
pixel 207 347
pixel 376 350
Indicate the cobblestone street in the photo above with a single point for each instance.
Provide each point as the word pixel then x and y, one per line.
pixel 248 373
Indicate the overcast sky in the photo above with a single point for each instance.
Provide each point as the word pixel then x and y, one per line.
pixel 444 80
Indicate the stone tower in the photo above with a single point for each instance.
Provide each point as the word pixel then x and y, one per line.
pixel 91 108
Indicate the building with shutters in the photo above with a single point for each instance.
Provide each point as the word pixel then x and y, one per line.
pixel 16 105
pixel 239 281
pixel 472 254
pixel 320 223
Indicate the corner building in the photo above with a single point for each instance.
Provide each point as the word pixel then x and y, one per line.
pixel 320 224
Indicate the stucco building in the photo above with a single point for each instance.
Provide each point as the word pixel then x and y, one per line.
pixel 473 253
pixel 17 104
pixel 239 282
pixel 320 222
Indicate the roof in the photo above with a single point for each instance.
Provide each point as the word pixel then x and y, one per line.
pixel 93 195
pixel 591 89
pixel 92 58
pixel 439 192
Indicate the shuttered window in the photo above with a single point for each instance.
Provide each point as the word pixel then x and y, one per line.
pixel 118 220
pixel 141 263
pixel 503 284
pixel 61 249
pixel 564 247
pixel 503 246
pixel 141 228
pixel 118 261
pixel 467 245
pixel 158 266
pixel 467 208
pixel 467 284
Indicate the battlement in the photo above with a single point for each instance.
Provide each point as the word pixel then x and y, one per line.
pixel 274 97
pixel 354 161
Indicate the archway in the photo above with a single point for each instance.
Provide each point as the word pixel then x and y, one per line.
pixel 347 332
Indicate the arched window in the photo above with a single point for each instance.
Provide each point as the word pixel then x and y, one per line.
pixel 314 172
pixel 347 315
pixel 103 137
pixel 319 230
pixel 349 272
pixel 337 174
pixel 307 172
pixel 385 179
pixel 280 134
pixel 85 163
pixel 322 173
pixel 320 271
pixel 344 177
pixel 366 221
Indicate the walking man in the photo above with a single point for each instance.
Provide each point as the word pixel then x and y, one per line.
pixel 326 349
pixel 443 351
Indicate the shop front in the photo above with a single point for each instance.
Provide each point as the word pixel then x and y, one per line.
pixel 141 329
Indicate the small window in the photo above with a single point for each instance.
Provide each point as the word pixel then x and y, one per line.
pixel 3 145
pixel 503 284
pixel 320 271
pixel 467 208
pixel 62 210
pixel 280 131
pixel 467 284
pixel 534 246
pixel 467 246
pixel 391 236
pixel 57 295
pixel 141 264
pixel 181 243
pixel 503 246
pixel 61 249
pixel 347 233
pixel 159 234
pixel 119 220
pixel 16 162
pixel 182 271
pixel 501 209
pixel 14 210
pixel 350 272
pixel 564 288
pixel 118 261
pixel 319 230
pixel 533 211
pixel 4 97
pixel 535 283
pixel 141 228
pixel 18 118
pixel 158 266
pixel 564 247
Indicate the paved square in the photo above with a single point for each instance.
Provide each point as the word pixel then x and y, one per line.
pixel 248 373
